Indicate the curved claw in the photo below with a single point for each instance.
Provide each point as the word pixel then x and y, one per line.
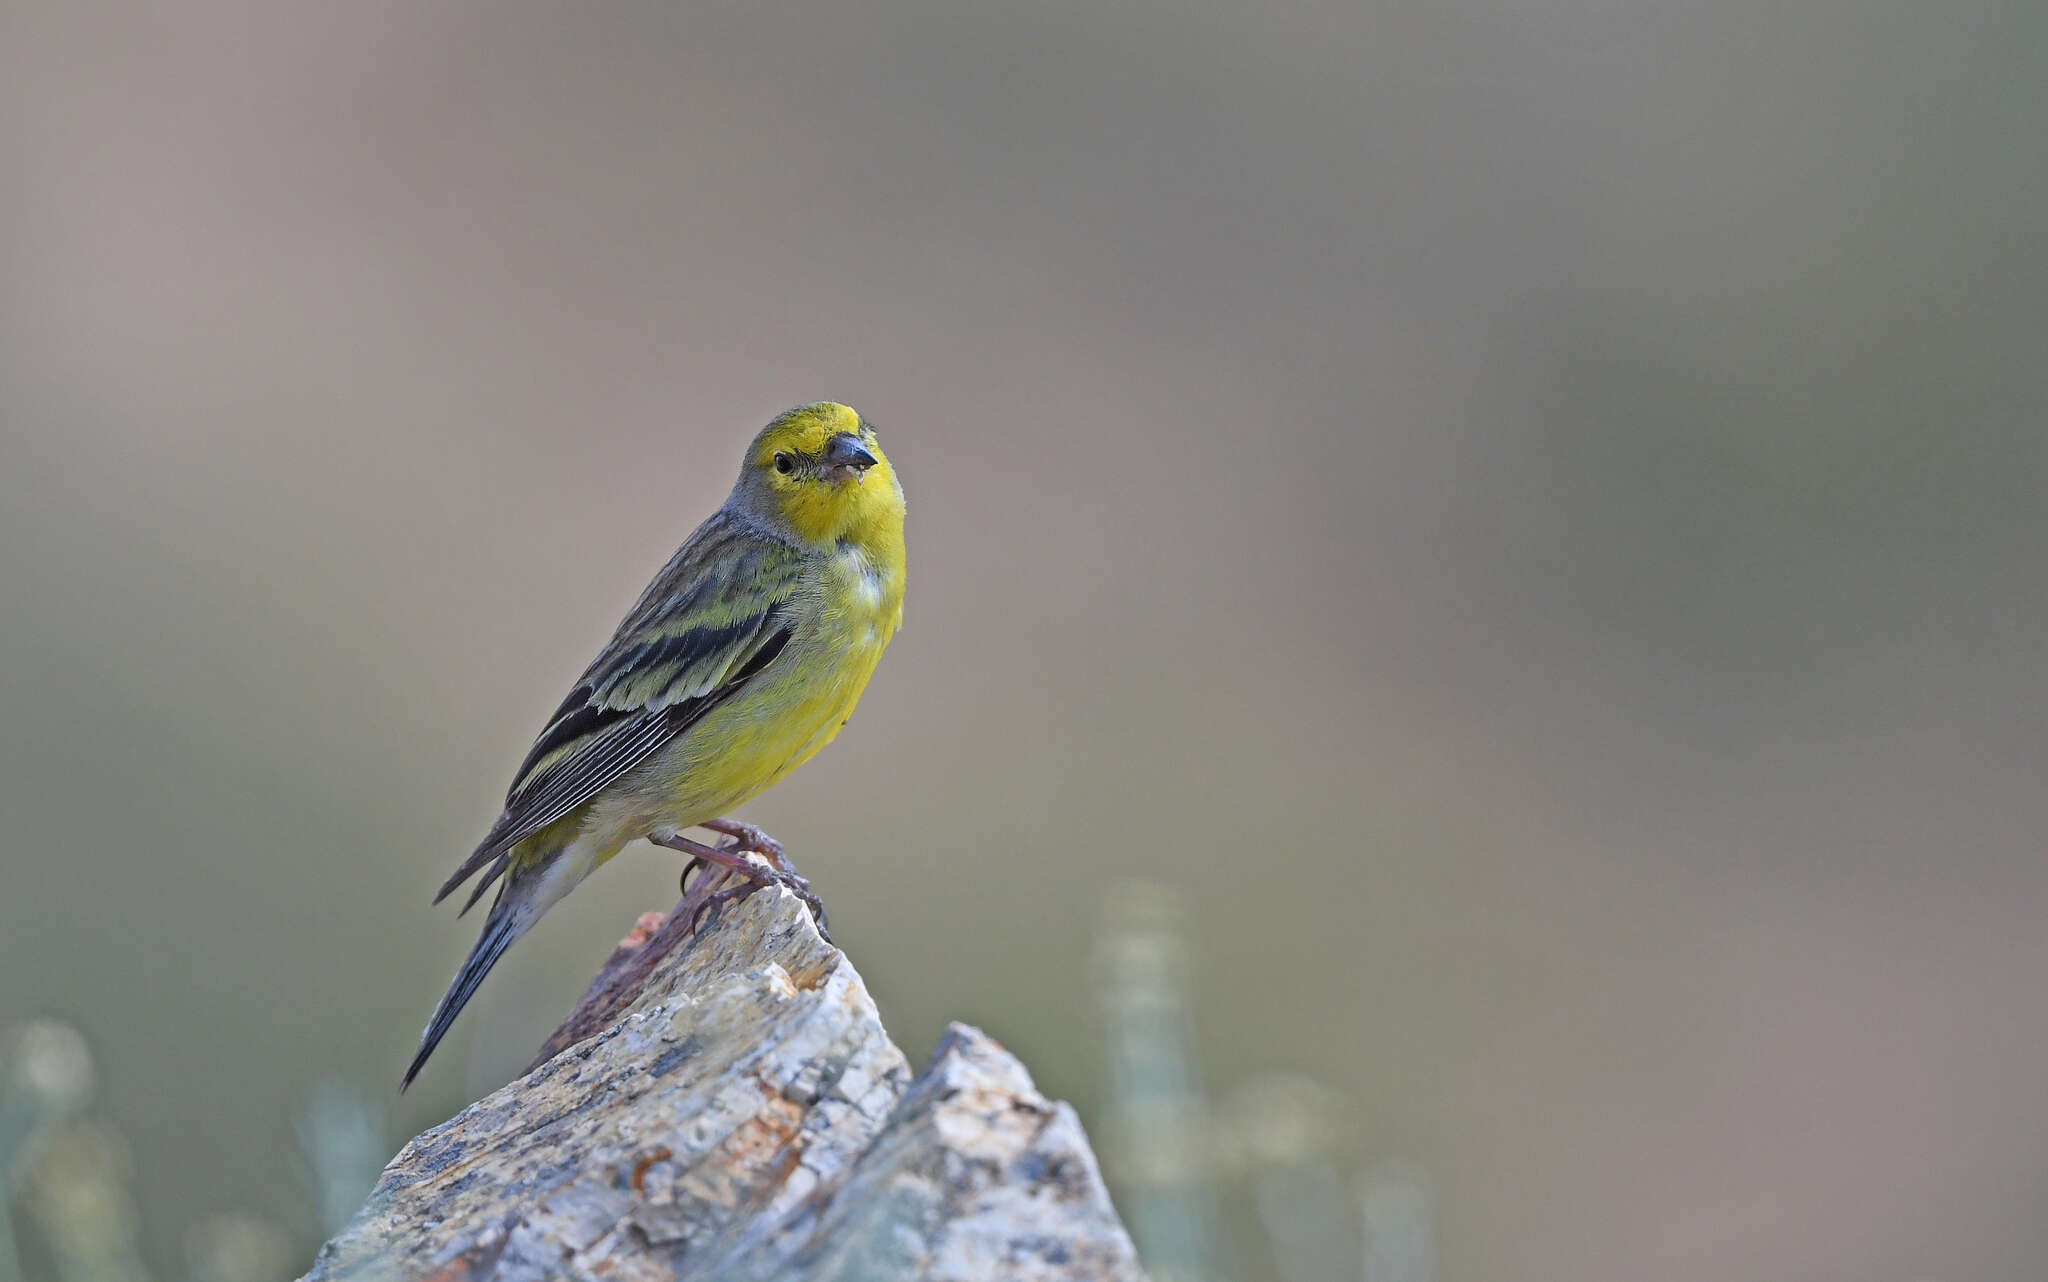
pixel 683 882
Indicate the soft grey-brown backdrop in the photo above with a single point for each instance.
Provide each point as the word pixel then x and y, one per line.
pixel 1529 515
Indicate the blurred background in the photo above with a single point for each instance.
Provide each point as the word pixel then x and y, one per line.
pixel 1522 523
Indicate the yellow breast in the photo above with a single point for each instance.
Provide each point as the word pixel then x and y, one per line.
pixel 747 746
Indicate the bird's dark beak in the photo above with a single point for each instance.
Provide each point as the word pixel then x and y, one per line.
pixel 846 458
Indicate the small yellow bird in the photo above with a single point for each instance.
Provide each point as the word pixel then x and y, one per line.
pixel 739 662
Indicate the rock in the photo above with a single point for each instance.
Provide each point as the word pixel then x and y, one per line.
pixel 727 1105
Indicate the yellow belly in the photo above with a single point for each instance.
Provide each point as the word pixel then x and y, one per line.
pixel 747 747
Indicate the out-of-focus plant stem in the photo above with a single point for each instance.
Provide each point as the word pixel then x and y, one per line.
pixel 1157 1118
pixel 342 1152
pixel 46 1077
pixel 84 1206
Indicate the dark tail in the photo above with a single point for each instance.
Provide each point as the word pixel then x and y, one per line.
pixel 500 929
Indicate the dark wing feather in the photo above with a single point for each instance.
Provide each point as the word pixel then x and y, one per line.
pixel 708 624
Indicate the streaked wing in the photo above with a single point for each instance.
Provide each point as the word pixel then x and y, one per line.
pixel 715 616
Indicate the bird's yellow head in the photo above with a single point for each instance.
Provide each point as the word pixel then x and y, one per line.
pixel 817 472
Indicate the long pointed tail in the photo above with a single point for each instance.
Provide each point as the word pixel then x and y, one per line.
pixel 504 925
pixel 538 878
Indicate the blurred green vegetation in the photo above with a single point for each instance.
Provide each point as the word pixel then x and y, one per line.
pixel 71 1175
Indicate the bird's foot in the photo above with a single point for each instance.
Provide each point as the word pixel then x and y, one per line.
pixel 734 857
pixel 746 836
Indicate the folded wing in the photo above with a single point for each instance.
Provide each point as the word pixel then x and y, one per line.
pixel 710 623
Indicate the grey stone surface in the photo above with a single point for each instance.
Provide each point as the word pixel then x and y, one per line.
pixel 746 1116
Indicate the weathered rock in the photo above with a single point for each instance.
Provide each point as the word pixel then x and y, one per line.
pixel 741 1114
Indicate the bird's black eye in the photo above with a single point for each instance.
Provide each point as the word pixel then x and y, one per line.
pixel 784 463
